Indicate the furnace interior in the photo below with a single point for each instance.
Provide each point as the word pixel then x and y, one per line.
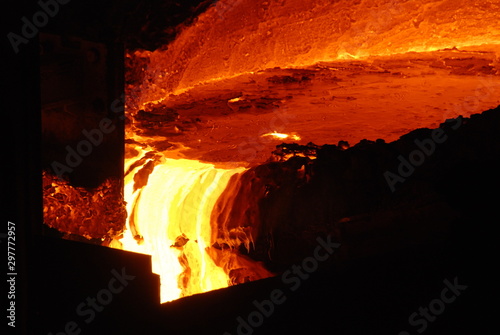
pixel 246 76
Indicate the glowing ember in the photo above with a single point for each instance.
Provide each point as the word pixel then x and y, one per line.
pixel 282 136
pixel 235 99
pixel 92 213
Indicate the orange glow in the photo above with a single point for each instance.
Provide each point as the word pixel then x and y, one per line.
pixel 252 35
pixel 230 50
pixel 94 214
pixel 281 136
pixel 169 219
pixel 234 48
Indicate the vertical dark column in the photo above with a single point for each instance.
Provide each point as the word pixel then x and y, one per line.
pixel 21 171
pixel 116 99
pixel 82 109
pixel 82 94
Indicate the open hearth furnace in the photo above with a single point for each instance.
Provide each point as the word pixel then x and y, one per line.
pixel 225 143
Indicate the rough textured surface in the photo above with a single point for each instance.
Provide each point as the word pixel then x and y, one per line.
pixel 344 193
pixel 97 213
pixel 241 36
pixel 380 98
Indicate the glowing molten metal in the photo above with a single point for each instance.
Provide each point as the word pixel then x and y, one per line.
pixel 281 136
pixel 235 46
pixel 169 219
pixel 241 36
pixel 248 73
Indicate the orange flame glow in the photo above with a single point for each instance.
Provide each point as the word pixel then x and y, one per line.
pixel 282 136
pixel 94 214
pixel 170 201
pixel 222 43
pixel 169 219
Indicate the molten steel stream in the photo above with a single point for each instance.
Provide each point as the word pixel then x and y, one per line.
pixel 170 217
